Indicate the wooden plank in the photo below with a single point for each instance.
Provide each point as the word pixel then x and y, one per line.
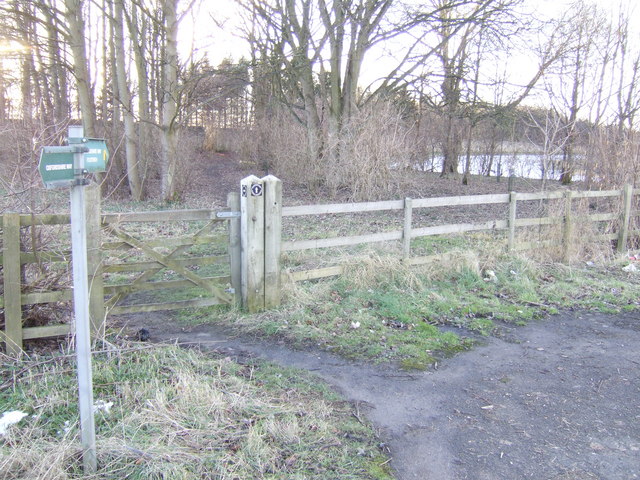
pixel 167 242
pixel 427 259
pixel 161 216
pixel 42 332
pixel 602 217
pixel 252 228
pixel 97 312
pixel 34 298
pixel 144 266
pixel 461 200
pixel 539 221
pixel 567 233
pixel 272 240
pixel 156 307
pixel 46 331
pixel 597 193
pixel 541 195
pixel 406 231
pixel 513 205
pixel 627 199
pixel 235 247
pixel 45 219
pixel 341 241
pixel 608 236
pixel 12 284
pixel 173 265
pixel 296 211
pixel 129 288
pixel 460 228
pixel 302 275
pixel 46 257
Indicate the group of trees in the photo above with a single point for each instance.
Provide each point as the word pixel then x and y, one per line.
pixel 111 63
pixel 444 78
pixel 453 64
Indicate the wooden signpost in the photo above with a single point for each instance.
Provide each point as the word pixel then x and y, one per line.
pixel 62 167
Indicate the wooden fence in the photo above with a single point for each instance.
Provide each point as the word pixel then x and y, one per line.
pixel 509 223
pixel 252 244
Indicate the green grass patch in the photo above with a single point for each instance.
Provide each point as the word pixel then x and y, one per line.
pixel 385 311
pixel 183 414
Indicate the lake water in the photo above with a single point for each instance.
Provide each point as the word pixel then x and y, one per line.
pixel 524 165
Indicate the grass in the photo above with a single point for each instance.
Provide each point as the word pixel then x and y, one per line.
pixel 382 310
pixel 183 414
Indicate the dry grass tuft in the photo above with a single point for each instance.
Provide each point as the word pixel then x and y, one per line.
pixel 179 414
pixel 585 242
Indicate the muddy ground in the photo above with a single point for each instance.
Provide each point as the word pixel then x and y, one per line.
pixel 558 399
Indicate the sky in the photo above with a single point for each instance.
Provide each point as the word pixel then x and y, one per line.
pixel 223 41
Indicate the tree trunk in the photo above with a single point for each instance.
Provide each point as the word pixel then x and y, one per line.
pixel 450 146
pixel 138 33
pixel 59 85
pixel 133 176
pixel 75 22
pixel 170 101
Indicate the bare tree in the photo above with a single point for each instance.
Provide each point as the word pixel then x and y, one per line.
pixel 571 86
pixel 170 99
pixel 74 16
pixel 133 176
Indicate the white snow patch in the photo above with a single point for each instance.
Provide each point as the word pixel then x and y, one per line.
pixel 102 405
pixel 10 418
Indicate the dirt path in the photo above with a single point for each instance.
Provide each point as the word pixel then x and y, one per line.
pixel 558 399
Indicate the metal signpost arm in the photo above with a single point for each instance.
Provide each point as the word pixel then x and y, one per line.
pixel 81 310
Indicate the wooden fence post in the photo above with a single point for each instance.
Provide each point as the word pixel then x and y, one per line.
pixel 567 233
pixel 252 241
pixel 513 203
pixel 235 247
pixel 623 233
pixel 406 231
pixel 93 221
pixel 12 284
pixel 272 240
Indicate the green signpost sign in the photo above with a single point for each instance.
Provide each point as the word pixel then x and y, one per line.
pixel 95 160
pixel 57 166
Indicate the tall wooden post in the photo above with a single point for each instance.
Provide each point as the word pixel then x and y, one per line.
pixel 12 284
pixel 93 218
pixel 235 247
pixel 513 202
pixel 272 240
pixel 567 234
pixel 406 231
pixel 623 233
pixel 252 241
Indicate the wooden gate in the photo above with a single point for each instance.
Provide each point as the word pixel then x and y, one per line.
pixel 148 261
pixel 169 260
